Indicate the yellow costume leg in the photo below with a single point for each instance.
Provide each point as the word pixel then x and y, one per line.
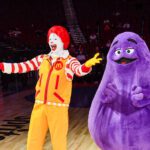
pixel 38 128
pixel 58 125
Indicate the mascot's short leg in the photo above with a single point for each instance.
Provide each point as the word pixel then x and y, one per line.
pixel 58 125
pixel 38 128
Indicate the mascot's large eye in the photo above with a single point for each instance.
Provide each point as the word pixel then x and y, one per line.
pixel 130 51
pixel 118 52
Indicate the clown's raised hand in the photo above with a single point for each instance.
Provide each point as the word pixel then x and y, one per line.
pixel 93 61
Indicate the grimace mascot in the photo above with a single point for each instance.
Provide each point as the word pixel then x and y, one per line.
pixel 119 117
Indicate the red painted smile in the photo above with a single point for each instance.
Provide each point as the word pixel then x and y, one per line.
pixel 53 47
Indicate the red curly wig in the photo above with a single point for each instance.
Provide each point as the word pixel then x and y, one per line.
pixel 62 33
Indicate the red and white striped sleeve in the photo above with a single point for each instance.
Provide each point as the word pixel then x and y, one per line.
pixel 22 67
pixel 80 70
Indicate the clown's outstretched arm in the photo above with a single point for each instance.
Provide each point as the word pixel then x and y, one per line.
pixel 84 69
pixel 22 67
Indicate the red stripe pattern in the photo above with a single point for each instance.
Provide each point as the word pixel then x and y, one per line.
pixel 47 84
pixel 59 97
pixel 72 67
pixel 22 67
pixel 37 93
pixel 33 64
pixel 13 68
pixel 27 67
pixel 40 81
pixel 2 66
pixel 57 82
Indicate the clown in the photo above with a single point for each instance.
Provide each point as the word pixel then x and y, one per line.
pixel 53 89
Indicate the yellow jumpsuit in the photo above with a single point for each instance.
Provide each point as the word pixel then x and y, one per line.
pixel 53 92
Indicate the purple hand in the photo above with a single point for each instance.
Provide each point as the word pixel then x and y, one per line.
pixel 139 97
pixel 110 93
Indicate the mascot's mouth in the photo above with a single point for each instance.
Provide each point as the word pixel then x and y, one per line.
pixel 53 47
pixel 125 60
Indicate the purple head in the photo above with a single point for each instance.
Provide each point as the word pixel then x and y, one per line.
pixel 127 50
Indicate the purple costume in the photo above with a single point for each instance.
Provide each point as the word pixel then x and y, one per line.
pixel 119 117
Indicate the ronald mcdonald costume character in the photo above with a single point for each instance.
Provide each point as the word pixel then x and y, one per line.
pixel 119 117
pixel 53 89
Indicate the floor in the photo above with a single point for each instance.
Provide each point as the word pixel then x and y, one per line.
pixel 15 112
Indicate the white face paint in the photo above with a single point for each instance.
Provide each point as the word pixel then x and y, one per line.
pixel 55 42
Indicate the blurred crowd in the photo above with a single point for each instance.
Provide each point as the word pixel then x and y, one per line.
pixel 22 43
